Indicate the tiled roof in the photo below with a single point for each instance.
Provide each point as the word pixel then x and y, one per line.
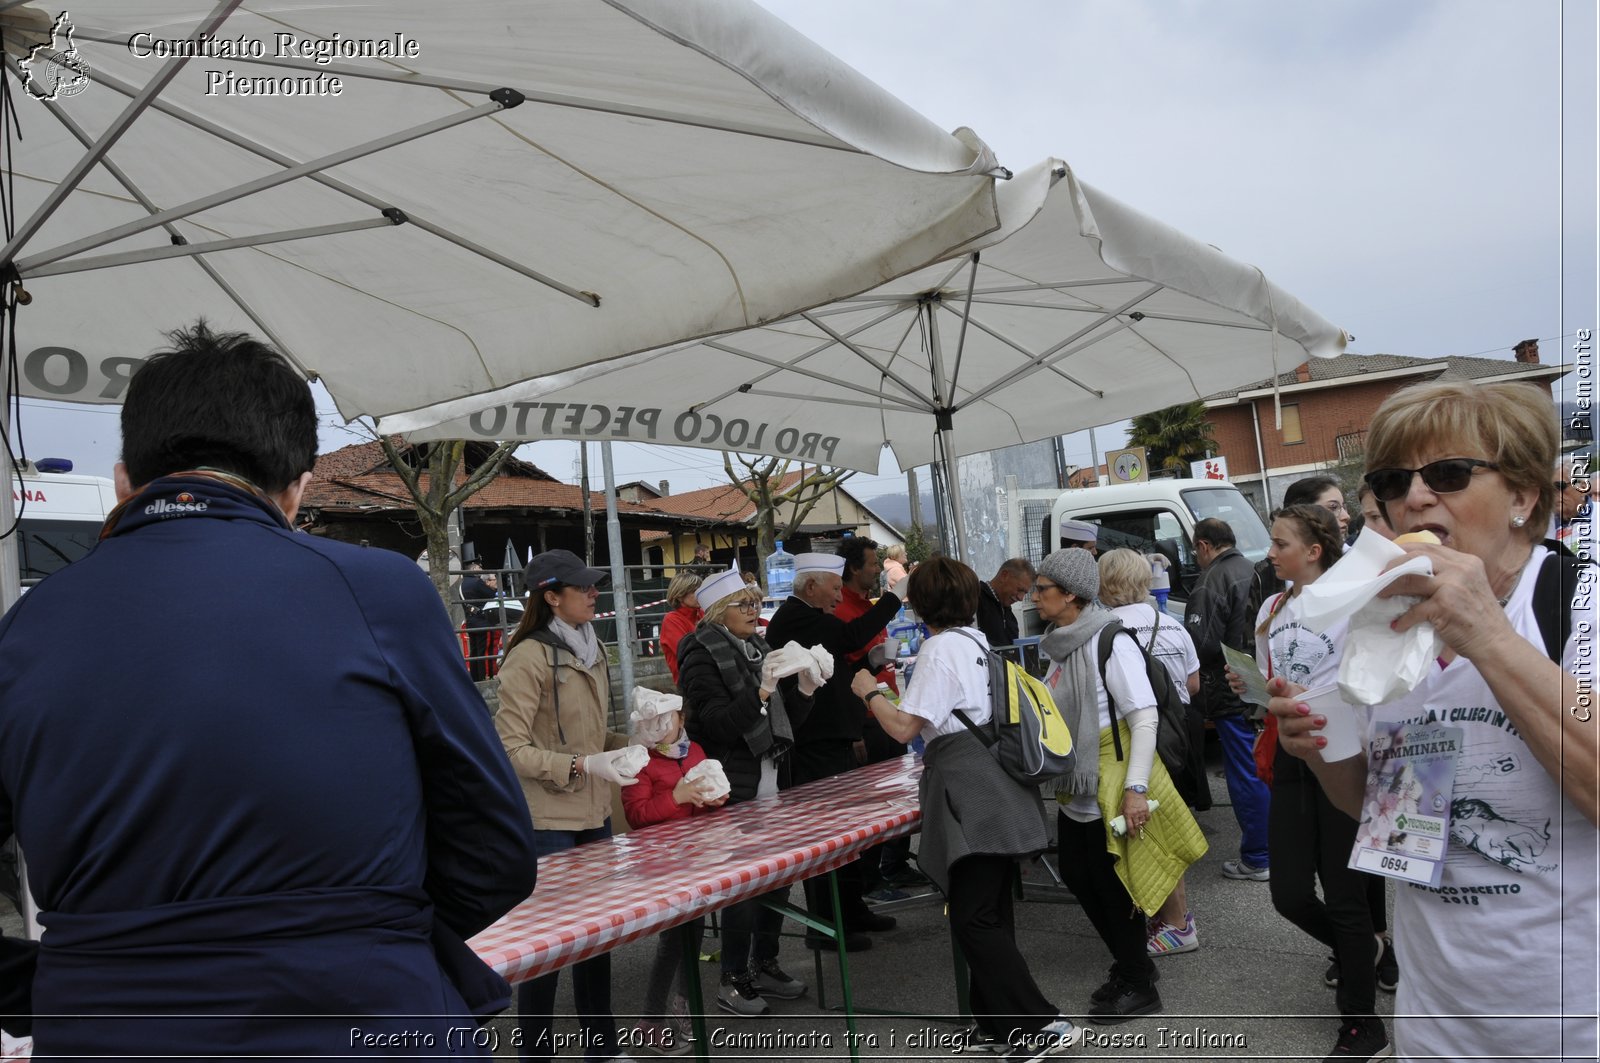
pixel 724 504
pixel 359 478
pixel 1346 366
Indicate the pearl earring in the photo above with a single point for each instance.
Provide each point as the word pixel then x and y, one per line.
pixel 1518 521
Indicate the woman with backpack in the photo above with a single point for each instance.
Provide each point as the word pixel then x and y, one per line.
pixel 1309 839
pixel 976 819
pixel 1119 878
pixel 1125 589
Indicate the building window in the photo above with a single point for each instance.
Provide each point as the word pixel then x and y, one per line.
pixel 1291 424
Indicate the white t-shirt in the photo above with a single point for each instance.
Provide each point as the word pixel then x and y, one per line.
pixel 1511 930
pixel 1127 682
pixel 952 673
pixel 1297 653
pixel 1174 648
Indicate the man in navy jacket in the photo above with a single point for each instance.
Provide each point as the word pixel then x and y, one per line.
pixel 261 783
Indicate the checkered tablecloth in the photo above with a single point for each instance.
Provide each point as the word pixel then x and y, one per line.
pixel 598 896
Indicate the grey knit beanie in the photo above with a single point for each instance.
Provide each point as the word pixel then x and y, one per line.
pixel 1074 570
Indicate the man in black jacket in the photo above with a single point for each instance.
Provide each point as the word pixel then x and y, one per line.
pixel 1010 585
pixel 1219 614
pixel 824 743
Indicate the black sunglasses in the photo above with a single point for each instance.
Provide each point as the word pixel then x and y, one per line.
pixel 1442 477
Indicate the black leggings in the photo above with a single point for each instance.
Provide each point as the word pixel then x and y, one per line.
pixel 1006 1001
pixel 1309 839
pixel 1091 875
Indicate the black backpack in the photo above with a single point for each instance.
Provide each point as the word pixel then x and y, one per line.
pixel 1554 591
pixel 1172 731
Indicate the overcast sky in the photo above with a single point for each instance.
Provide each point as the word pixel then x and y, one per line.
pixel 1397 166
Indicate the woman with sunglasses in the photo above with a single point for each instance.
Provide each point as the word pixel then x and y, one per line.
pixel 747 720
pixel 1511 927
pixel 555 699
pixel 1308 838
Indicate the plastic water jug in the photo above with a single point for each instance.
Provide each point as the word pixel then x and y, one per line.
pixel 907 630
pixel 780 572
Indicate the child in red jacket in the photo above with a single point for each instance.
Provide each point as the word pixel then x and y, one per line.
pixel 664 791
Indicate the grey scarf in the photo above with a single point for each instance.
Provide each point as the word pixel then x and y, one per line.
pixel 580 640
pixel 773 736
pixel 1076 691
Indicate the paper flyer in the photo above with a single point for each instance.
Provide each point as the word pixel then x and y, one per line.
pixel 1244 665
pixel 1405 816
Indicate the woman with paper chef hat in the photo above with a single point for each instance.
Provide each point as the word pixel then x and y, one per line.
pixel 743 703
pixel 1483 681
pixel 555 698
pixel 680 782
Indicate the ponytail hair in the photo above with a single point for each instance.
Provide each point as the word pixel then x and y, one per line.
pixel 1317 527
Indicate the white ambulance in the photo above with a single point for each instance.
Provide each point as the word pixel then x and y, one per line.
pixel 59 515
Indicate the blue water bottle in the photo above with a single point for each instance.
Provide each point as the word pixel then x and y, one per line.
pixel 780 573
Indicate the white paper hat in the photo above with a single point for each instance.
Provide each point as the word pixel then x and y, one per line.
pixel 819 563
pixel 648 704
pixel 1079 531
pixel 718 587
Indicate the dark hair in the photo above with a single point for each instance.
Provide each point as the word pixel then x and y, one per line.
pixel 854 551
pixel 1214 531
pixel 536 617
pixel 944 592
pixel 1318 527
pixel 1306 492
pixel 221 400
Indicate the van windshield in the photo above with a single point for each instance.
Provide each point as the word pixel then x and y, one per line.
pixel 47 545
pixel 1230 507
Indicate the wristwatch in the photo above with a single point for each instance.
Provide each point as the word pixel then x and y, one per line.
pixel 1137 789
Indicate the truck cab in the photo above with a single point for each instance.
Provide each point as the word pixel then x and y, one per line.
pixel 60 514
pixel 1157 517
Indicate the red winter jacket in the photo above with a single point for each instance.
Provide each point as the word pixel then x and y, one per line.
pixel 649 801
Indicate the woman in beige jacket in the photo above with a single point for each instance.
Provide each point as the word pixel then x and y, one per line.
pixel 555 699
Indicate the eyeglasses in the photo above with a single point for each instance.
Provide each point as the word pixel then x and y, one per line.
pixel 1040 588
pixel 1335 507
pixel 1443 477
pixel 747 607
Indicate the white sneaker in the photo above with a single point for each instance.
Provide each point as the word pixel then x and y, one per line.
pixel 1168 940
pixel 1054 1039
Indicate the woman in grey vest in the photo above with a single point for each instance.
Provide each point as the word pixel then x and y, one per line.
pixel 976 820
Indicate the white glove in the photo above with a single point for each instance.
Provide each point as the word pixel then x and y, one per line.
pixel 899 589
pixel 769 673
pixel 620 766
pixel 786 661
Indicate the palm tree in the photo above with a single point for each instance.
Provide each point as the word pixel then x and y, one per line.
pixel 1175 436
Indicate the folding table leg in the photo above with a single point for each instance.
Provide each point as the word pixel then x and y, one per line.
pixel 697 1002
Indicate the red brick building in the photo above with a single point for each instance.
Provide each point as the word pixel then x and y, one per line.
pixel 1327 405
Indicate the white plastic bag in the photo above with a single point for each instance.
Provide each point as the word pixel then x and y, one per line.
pixel 1379 663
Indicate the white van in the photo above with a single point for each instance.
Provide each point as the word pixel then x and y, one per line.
pixel 1155 517
pixel 60 513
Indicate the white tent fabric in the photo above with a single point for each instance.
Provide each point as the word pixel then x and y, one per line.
pixel 1079 311
pixel 658 170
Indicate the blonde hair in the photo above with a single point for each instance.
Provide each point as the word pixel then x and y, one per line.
pixel 682 585
pixel 894 552
pixel 1513 425
pixel 715 614
pixel 1124 577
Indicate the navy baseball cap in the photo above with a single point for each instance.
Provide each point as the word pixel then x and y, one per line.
pixel 561 566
